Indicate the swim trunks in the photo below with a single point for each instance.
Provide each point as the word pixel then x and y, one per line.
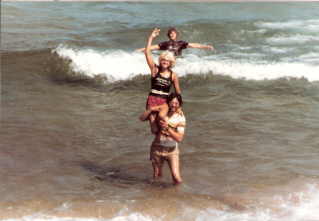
pixel 154 101
pixel 159 153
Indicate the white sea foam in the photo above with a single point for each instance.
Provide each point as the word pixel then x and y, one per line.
pixel 292 40
pixel 276 50
pixel 311 25
pixel 306 207
pixel 244 48
pixel 130 217
pixel 299 206
pixel 244 55
pixel 116 65
pixel 259 31
pixel 310 56
pixel 280 25
pixel 121 65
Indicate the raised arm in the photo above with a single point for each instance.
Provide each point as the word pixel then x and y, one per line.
pixel 200 46
pixel 148 52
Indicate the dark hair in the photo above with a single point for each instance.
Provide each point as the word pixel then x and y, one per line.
pixel 172 30
pixel 171 96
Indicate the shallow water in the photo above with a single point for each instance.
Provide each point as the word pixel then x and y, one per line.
pixel 72 147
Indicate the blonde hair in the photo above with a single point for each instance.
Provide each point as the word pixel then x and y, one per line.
pixel 167 55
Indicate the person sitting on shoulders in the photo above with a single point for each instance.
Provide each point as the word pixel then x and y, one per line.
pixel 162 78
pixel 176 46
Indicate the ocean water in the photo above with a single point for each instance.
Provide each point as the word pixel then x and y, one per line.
pixel 73 86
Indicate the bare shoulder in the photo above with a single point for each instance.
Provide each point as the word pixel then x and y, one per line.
pixel 174 75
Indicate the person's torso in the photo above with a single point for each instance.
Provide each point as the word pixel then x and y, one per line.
pixel 174 46
pixel 161 85
pixel 175 121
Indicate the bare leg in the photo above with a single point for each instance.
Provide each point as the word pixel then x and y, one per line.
pixel 153 123
pixel 173 163
pixel 162 114
pixel 157 169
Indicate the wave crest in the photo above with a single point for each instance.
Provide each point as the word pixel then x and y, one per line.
pixel 118 65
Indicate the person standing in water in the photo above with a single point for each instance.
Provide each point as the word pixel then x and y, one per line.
pixel 176 46
pixel 162 77
pixel 165 144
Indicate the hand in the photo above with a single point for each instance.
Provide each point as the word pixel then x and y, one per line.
pixel 155 32
pixel 210 47
pixel 163 124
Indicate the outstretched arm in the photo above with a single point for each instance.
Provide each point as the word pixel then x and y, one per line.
pixel 200 46
pixel 153 47
pixel 148 53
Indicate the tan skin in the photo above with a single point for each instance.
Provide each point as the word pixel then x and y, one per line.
pixel 173 163
pixel 165 72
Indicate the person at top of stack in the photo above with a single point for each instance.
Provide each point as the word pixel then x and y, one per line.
pixel 162 78
pixel 176 46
